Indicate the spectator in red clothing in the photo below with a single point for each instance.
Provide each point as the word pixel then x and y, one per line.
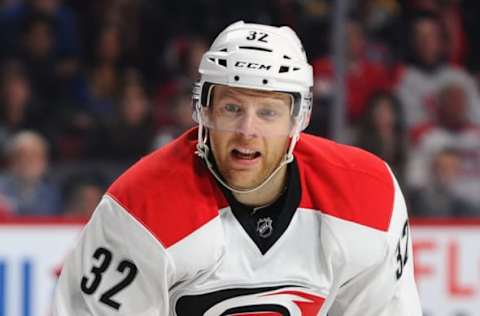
pixel 364 77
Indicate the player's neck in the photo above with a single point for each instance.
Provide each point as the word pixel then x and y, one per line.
pixel 266 194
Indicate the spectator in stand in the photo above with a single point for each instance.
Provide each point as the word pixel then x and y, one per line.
pixel 67 41
pixel 427 70
pixel 384 24
pixel 452 130
pixel 17 108
pixel 183 58
pixel 24 185
pixel 106 71
pixel 182 54
pixel 439 198
pixel 359 67
pixel 130 133
pixel 144 27
pixel 79 127
pixel 449 14
pixel 36 53
pixel 82 196
pixel 382 132
pixel 33 25
pixel 71 85
pixel 181 113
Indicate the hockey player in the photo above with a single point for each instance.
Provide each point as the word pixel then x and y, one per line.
pixel 247 215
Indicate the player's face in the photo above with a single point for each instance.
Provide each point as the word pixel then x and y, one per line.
pixel 245 152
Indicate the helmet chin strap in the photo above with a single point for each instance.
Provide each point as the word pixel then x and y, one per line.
pixel 203 152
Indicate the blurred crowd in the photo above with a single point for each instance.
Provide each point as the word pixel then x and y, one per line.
pixel 87 87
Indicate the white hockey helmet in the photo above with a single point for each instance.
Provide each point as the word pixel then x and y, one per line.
pixel 261 57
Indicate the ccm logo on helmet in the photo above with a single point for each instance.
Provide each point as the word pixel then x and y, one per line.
pixel 244 64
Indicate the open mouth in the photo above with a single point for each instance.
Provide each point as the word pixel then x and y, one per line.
pixel 245 154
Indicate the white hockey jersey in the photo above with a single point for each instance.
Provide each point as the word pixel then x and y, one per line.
pixel 165 240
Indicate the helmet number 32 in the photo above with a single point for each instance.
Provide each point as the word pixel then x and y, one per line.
pixel 257 36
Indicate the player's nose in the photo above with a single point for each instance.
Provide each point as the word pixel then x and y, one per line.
pixel 248 125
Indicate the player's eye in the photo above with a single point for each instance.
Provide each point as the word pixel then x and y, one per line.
pixel 231 108
pixel 267 114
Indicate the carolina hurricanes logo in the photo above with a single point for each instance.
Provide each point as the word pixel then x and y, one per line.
pixel 279 301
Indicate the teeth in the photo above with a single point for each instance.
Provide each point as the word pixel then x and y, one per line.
pixel 245 151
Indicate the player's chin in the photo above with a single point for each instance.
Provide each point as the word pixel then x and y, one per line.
pixel 244 181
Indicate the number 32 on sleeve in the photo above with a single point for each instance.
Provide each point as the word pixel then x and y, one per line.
pixel 402 250
pixel 103 259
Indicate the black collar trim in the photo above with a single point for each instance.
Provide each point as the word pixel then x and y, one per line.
pixel 267 224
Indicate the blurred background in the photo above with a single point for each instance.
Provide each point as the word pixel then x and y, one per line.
pixel 87 87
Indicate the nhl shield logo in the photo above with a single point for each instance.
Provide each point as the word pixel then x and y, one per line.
pixel 264 227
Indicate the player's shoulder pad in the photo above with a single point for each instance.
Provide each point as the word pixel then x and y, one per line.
pixel 170 191
pixel 345 182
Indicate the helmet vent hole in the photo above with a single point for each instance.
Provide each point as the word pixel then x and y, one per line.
pixel 264 81
pixel 296 68
pixel 283 69
pixel 236 78
pixel 211 59
pixel 222 62
pixel 223 50
pixel 286 57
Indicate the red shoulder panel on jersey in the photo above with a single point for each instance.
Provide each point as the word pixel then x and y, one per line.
pixel 169 191
pixel 345 182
